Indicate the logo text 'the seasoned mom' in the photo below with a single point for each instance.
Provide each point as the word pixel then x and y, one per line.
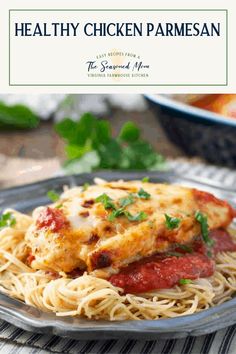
pixel 105 66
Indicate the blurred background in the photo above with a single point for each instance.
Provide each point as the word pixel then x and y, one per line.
pixel 42 136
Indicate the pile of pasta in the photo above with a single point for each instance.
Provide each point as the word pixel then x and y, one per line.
pixel 96 298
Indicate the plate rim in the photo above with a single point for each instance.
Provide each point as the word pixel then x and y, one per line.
pixel 20 314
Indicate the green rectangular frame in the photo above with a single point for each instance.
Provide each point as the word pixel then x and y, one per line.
pixel 127 85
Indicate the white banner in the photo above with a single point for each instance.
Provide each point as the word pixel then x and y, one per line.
pixel 77 49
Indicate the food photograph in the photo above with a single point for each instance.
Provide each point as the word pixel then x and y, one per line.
pixel 118 223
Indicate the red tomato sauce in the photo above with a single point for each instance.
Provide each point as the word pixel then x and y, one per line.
pixel 223 241
pixel 165 271
pixel 205 198
pixel 30 259
pixel 52 219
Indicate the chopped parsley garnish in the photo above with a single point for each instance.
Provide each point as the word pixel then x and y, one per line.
pixel 119 212
pixel 123 202
pixel 53 196
pixel 145 179
pixel 143 194
pixel 172 222
pixel 136 217
pixel 174 254
pixel 116 213
pixel 106 201
pixel 7 219
pixel 202 219
pixel 59 206
pixel 185 281
pixel 126 200
pixel 85 186
pixel 209 254
pixel 185 248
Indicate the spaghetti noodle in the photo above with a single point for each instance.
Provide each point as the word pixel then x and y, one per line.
pixel 97 298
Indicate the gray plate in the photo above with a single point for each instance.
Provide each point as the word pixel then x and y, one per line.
pixel 16 312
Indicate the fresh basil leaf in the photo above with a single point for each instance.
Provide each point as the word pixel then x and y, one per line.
pixel 106 201
pixel 172 222
pixel 136 217
pixel 126 200
pixel 7 219
pixel 185 281
pixel 129 132
pixel 142 194
pixel 202 219
pixel 53 196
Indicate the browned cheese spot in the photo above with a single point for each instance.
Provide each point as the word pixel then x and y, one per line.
pixel 101 259
pixel 88 203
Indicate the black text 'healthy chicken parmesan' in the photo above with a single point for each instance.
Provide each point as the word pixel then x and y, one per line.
pixel 121 250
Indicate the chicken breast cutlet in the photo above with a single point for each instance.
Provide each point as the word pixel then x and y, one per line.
pixel 116 223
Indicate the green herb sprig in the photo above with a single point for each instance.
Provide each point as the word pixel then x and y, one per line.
pixel 172 222
pixel 17 116
pixel 185 281
pixel 202 219
pixel 116 212
pixel 142 194
pixel 90 146
pixel 145 179
pixel 185 248
pixel 174 254
pixel 106 201
pixel 7 220
pixel 85 186
pixel 140 216
pixel 53 196
pixel 125 201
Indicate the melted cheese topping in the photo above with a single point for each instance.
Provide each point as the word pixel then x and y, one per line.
pixel 91 241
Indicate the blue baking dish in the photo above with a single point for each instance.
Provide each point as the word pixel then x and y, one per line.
pixel 196 131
